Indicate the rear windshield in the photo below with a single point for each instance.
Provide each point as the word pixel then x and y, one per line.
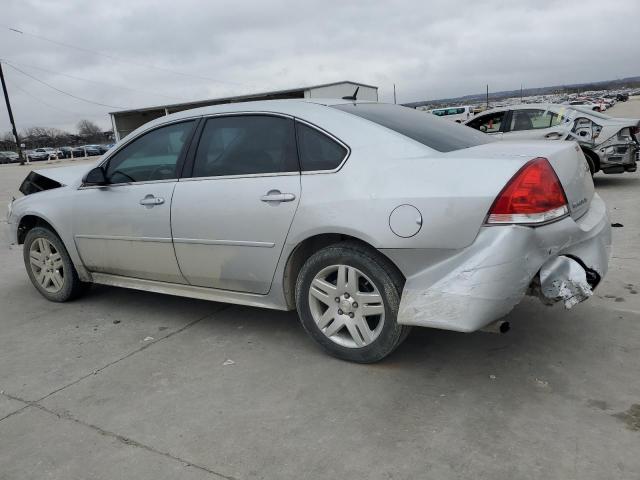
pixel 437 133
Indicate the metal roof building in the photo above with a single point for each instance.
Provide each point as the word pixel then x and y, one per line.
pixel 125 121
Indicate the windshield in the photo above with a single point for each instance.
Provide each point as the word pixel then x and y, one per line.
pixel 439 134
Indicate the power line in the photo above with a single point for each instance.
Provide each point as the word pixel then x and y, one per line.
pixel 62 91
pixel 28 94
pixel 98 82
pixel 114 58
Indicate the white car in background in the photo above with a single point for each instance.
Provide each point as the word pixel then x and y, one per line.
pixel 456 114
pixel 609 144
pixel 588 105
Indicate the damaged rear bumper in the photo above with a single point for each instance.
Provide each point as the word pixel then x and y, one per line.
pixel 618 157
pixel 483 282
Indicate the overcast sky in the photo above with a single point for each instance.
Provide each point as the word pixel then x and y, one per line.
pixel 217 48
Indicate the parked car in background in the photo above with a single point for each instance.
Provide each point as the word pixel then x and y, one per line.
pixel 9 157
pixel 367 218
pixel 66 152
pixel 610 144
pixel 45 153
pixel 87 150
pixel 456 114
pixel 93 150
pixel 104 148
pixel 78 152
pixel 622 97
pixel 588 104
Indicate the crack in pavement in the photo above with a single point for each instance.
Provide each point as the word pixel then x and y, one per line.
pixel 11 397
pixel 135 352
pixel 122 439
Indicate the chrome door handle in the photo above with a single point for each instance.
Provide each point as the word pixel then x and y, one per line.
pixel 150 200
pixel 277 196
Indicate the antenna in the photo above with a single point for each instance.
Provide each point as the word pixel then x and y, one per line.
pixel 353 97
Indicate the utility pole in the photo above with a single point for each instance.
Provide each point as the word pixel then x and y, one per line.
pixel 520 93
pixel 394 93
pixel 487 96
pixel 13 123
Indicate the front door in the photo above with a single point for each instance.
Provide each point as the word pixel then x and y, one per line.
pixel 231 218
pixel 536 124
pixel 124 228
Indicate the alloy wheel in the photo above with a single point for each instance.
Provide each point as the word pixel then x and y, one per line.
pixel 46 265
pixel 346 306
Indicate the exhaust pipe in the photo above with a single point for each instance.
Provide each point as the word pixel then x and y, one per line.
pixel 499 326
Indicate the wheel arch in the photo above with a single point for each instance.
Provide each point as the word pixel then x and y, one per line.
pixel 30 221
pixel 310 245
pixel 593 156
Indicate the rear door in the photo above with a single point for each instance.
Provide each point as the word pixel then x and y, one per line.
pixel 231 218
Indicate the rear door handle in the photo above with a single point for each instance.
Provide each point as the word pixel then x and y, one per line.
pixel 150 201
pixel 277 196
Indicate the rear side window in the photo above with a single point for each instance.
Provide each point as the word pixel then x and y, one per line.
pixel 317 151
pixel 246 145
pixel 427 129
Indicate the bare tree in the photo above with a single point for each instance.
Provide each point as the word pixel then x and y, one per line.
pixel 7 142
pixel 88 129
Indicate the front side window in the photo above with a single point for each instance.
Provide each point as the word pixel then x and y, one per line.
pixel 153 156
pixel 318 151
pixel 533 119
pixel 489 123
pixel 246 145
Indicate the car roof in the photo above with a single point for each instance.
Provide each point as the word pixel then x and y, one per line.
pixel 285 107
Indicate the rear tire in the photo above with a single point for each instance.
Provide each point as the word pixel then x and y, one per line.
pixel 347 297
pixel 49 266
pixel 592 164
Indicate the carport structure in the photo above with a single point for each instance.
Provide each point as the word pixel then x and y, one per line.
pixel 126 121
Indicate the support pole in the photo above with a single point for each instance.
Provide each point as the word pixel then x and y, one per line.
pixel 13 123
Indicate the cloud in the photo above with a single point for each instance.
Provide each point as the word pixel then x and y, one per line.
pixel 429 49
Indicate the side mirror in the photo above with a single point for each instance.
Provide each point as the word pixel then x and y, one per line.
pixel 483 128
pixel 96 176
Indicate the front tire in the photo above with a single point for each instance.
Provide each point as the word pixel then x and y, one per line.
pixel 347 297
pixel 49 266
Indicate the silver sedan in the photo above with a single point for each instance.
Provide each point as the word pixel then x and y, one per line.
pixel 367 218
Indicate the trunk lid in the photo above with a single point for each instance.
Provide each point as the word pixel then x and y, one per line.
pixel 566 158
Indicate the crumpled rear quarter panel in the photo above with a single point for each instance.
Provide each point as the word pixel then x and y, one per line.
pixel 480 284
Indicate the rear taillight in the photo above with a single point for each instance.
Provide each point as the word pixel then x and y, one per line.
pixel 533 196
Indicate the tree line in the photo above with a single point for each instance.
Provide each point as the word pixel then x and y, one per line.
pixel 36 137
